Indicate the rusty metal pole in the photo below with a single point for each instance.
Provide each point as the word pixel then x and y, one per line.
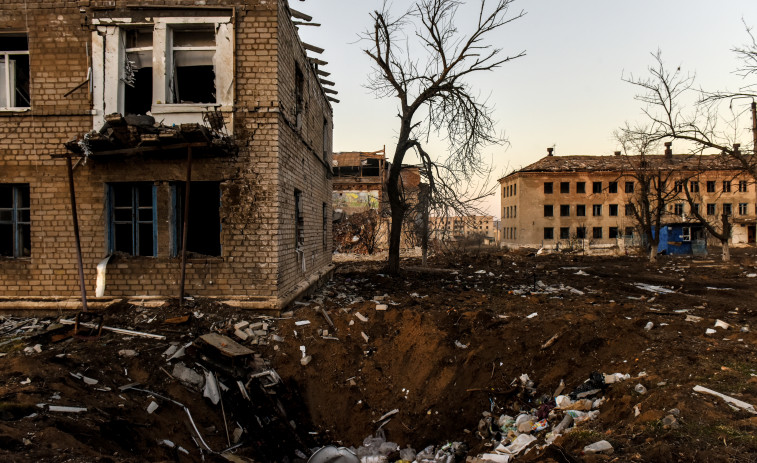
pixel 185 227
pixel 76 232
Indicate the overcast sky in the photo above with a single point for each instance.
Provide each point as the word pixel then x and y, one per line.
pixel 566 92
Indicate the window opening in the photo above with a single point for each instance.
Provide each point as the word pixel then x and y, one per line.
pixel 686 234
pixel 299 221
pixel 204 224
pixel 710 186
pixel 14 71
pixel 547 188
pixel 581 210
pixel 711 209
pixel 564 187
pixel 15 221
pixel 565 210
pixel 613 210
pixel 138 72
pixel 564 233
pixel 581 187
pixel 597 232
pixel 193 72
pixel 596 187
pixel 549 233
pixel 132 219
pixel 612 187
pixel 299 94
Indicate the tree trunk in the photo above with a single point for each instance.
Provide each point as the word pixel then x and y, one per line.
pixel 726 250
pixel 652 254
pixel 395 238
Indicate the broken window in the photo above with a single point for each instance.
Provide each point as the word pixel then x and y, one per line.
pixel 597 232
pixel 549 233
pixel 685 233
pixel 694 186
pixel 138 71
pixel 629 187
pixel 726 186
pixel 742 186
pixel 678 209
pixel 612 232
pixel 204 221
pixel 580 232
pixel 727 209
pixel 299 221
pixel 326 139
pixel 596 210
pixel 630 209
pixel 612 187
pixel 711 209
pixel 564 187
pixel 581 210
pixel 564 233
pixel 547 210
pixel 613 210
pixel 678 186
pixel 325 227
pixel 580 187
pixel 547 188
pixel 710 186
pixel 15 221
pixel 695 208
pixel 193 79
pixel 299 94
pixel 596 187
pixel 14 71
pixel 564 210
pixel 132 221
pixel 629 232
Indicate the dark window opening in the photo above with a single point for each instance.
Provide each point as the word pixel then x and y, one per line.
pixel 596 210
pixel 193 73
pixel 564 187
pixel 711 209
pixel 299 220
pixel 132 221
pixel 630 209
pixel 596 187
pixel 547 210
pixel 138 76
pixel 581 232
pixel 564 233
pixel 629 187
pixel 612 232
pixel 325 227
pixel 581 187
pixel 14 71
pixel 325 139
pixel 547 188
pixel 564 210
pixel 581 210
pixel 15 221
pixel 726 186
pixel 694 187
pixel 612 187
pixel 613 210
pixel 629 231
pixel 727 209
pixel 597 232
pixel 710 186
pixel 299 93
pixel 204 221
pixel 549 233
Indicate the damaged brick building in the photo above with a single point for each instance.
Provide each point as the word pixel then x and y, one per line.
pixel 144 97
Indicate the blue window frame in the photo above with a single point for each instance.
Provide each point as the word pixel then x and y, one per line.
pixel 15 221
pixel 132 223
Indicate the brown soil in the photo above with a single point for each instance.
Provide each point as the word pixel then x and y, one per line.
pixel 449 347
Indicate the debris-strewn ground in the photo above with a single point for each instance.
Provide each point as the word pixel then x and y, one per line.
pixel 448 349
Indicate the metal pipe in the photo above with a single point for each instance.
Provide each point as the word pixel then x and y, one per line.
pixel 185 227
pixel 76 232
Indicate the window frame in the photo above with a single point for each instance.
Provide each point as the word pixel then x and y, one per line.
pixel 549 233
pixel 743 188
pixel 596 210
pixel 712 209
pixel 549 210
pixel 580 210
pixel 10 94
pixel 629 188
pixel 743 208
pixel 16 219
pixel 565 187
pixel 596 187
pixel 596 233
pixel 548 188
pixel 564 210
pixel 613 210
pixel 710 186
pixel 111 223
pixel 581 187
pixel 299 221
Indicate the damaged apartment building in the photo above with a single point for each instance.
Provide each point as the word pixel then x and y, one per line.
pixel 198 140
pixel 589 201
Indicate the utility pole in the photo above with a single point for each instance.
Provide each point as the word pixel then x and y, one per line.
pixel 754 126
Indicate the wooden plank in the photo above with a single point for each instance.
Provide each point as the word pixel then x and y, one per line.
pixel 327 82
pixel 300 15
pixel 317 61
pixel 323 73
pixel 332 99
pixel 225 345
pixel 313 48
pixel 328 90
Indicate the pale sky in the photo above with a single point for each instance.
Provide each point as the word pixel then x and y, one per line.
pixel 566 92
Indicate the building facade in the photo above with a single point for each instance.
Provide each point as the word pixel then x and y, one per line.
pixel 456 228
pixel 589 201
pixel 144 97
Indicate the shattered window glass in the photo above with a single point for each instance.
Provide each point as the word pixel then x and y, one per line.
pixel 138 71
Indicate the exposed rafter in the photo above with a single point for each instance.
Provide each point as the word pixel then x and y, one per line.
pixel 312 48
pixel 327 82
pixel 300 15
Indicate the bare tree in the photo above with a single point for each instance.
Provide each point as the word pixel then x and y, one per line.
pixel 722 234
pixel 649 201
pixel 422 58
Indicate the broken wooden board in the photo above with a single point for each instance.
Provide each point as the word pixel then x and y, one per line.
pixel 225 345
